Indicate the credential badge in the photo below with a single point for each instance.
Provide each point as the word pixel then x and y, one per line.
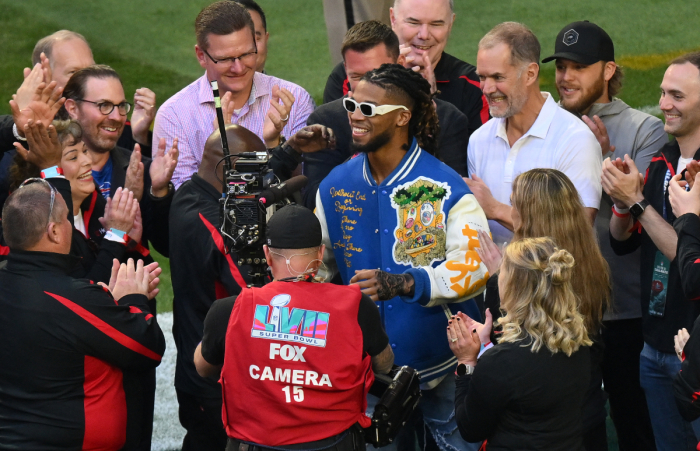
pixel 570 37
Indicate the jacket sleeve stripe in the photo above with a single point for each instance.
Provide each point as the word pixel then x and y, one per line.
pixel 106 329
pixel 220 245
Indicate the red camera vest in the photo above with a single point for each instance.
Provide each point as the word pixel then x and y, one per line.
pixel 294 369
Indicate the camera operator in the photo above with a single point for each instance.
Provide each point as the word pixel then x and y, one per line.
pixel 202 272
pixel 300 379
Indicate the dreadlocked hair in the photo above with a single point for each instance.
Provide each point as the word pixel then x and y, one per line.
pixel 397 80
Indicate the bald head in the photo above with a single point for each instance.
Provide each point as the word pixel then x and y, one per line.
pixel 240 139
pixel 25 215
pixel 67 51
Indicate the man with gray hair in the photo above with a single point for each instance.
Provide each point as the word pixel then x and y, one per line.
pixel 528 130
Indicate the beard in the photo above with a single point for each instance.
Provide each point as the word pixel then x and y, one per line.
pixel 94 140
pixel 373 145
pixel 587 98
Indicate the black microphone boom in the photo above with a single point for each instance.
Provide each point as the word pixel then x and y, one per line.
pixel 275 194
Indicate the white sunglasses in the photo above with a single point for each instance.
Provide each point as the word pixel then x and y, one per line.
pixel 369 109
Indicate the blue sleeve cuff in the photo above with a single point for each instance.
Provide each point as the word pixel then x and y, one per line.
pixel 421 283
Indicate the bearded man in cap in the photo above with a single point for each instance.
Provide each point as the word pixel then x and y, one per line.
pixel 295 367
pixel 588 79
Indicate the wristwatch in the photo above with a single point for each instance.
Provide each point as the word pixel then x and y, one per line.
pixel 464 370
pixel 289 150
pixel 638 208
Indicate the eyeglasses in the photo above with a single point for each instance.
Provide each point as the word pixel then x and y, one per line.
pixel 31 180
pixel 228 62
pixel 106 108
pixel 369 109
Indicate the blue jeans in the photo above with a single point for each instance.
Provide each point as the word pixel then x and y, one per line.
pixel 438 409
pixel 656 372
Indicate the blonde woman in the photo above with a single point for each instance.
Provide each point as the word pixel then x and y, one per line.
pixel 546 203
pixel 526 392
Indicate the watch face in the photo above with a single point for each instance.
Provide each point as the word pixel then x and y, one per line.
pixel 638 208
pixel 461 369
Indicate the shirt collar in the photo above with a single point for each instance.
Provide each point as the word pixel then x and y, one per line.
pixel 261 87
pixel 540 127
pixel 40 261
pixel 400 172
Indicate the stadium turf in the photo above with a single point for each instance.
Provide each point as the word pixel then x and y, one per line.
pixel 150 43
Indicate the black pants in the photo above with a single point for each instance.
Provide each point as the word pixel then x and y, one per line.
pixel 351 440
pixel 628 407
pixel 202 419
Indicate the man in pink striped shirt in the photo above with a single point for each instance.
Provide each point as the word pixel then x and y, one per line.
pixel 270 107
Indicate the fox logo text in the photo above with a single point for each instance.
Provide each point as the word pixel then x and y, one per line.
pixel 306 327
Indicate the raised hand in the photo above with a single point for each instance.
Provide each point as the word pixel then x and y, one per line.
pixel 136 231
pixel 313 138
pixel 600 132
pixel 693 168
pixel 42 107
pixel 483 195
pixel 143 115
pixel 153 279
pixel 489 252
pixel 131 278
pixel 277 116
pixel 134 174
pixel 120 211
pixel 162 168
pixel 625 188
pixel 464 342
pixel 418 63
pixel 683 201
pixel 679 342
pixel 45 150
pixel 483 330
pixel 32 79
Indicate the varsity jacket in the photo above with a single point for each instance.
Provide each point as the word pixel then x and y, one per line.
pixel 680 311
pixel 422 220
pixel 65 344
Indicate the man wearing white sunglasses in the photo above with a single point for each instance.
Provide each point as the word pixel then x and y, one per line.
pixel 403 227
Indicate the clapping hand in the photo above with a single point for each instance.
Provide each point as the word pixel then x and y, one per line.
pixel 134 278
pixel 42 107
pixel 693 168
pixel 622 181
pixel 143 115
pixel 421 64
pixel 601 133
pixel 683 201
pixel 489 253
pixel 162 168
pixel 464 341
pixel 44 149
pixel 120 211
pixel 313 138
pixel 679 342
pixel 134 174
pixel 277 116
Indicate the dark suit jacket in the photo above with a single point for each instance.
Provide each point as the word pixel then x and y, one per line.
pixel 453 140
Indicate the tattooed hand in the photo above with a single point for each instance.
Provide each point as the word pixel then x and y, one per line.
pixel 382 286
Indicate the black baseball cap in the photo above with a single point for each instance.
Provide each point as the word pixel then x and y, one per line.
pixel 583 42
pixel 294 227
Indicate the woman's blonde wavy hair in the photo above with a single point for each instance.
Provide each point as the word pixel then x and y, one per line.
pixel 549 205
pixel 537 297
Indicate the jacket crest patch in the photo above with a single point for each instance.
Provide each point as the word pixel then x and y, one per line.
pixel 420 229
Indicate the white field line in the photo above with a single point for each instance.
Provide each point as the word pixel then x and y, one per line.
pixel 167 432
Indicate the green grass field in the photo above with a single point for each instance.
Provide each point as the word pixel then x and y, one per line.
pixel 150 43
